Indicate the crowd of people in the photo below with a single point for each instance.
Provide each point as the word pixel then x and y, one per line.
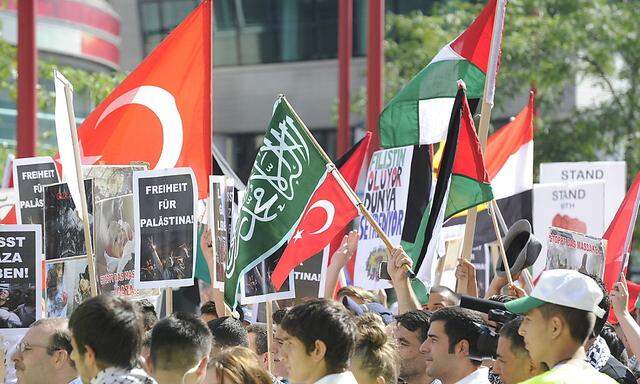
pixel 557 333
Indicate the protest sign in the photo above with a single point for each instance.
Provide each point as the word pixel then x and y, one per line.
pixel 612 173
pixel 385 196
pixel 256 286
pixel 165 227
pixel 111 180
pixel 30 175
pixel 20 275
pixel 220 205
pixel 67 284
pixel 578 207
pixel 572 250
pixel 309 277
pixel 63 228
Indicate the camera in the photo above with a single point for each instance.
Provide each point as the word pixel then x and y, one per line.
pixel 487 343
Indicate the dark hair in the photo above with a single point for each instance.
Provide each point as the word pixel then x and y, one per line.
pixel 279 315
pixel 579 322
pixel 510 331
pixel 179 341
pixel 228 332
pixel 445 292
pixel 373 351
pixel 327 321
pixel 260 332
pixel 209 307
pixel 149 315
pixel 613 342
pixel 112 327
pixel 415 320
pixel 604 304
pixel 460 324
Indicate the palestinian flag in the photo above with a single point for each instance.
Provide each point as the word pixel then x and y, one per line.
pixel 419 113
pixel 509 161
pixel 462 181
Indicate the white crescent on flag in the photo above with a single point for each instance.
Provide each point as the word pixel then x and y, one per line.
pixel 329 209
pixel 163 105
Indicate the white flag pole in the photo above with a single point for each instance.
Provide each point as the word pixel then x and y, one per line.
pixel 485 114
pixel 68 94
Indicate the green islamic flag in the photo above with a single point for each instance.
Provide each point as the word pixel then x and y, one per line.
pixel 286 172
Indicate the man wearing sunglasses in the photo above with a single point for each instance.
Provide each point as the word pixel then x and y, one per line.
pixel 44 354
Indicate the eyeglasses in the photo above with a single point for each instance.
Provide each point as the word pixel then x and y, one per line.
pixel 24 346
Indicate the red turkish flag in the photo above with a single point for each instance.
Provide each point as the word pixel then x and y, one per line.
pixel 328 212
pixel 161 113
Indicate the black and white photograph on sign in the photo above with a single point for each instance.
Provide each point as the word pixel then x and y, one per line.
pixel 165 231
pixel 63 228
pixel 67 285
pixel 309 276
pixel 219 226
pixel 30 175
pixel 256 286
pixel 572 250
pixel 20 280
pixel 113 245
pixel 111 180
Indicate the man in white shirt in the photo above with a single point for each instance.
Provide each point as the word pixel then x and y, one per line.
pixel 318 340
pixel 44 354
pixel 451 347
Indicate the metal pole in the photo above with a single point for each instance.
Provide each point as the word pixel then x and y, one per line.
pixel 345 44
pixel 26 134
pixel 375 63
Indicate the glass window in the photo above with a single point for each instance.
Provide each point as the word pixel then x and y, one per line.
pixel 173 12
pixel 150 16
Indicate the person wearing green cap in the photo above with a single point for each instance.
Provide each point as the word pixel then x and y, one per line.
pixel 559 316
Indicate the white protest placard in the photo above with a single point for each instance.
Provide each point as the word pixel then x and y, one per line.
pixel 578 207
pixel 20 276
pixel 165 227
pixel 577 251
pixel 612 173
pixel 385 196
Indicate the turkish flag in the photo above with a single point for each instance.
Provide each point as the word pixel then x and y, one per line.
pixel 161 113
pixel 328 211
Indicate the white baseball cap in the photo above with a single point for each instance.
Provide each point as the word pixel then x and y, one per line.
pixel 564 287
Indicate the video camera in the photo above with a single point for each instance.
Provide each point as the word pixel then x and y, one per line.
pixel 487 343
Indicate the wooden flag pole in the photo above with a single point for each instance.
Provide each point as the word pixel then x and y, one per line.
pixel 269 310
pixel 83 200
pixel 485 114
pixel 347 188
pixel 168 295
pixel 503 255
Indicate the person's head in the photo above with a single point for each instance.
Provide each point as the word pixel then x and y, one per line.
pixel 279 367
pixel 441 297
pixel 227 332
pixel 149 315
pixel 375 360
pixel 180 346
pixel 106 332
pixel 559 315
pixel 208 311
pixel 409 333
pixel 44 354
pixel 513 363
pixel 4 293
pixel 258 342
pixel 236 365
pixel 319 337
pixel 359 295
pixel 453 334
